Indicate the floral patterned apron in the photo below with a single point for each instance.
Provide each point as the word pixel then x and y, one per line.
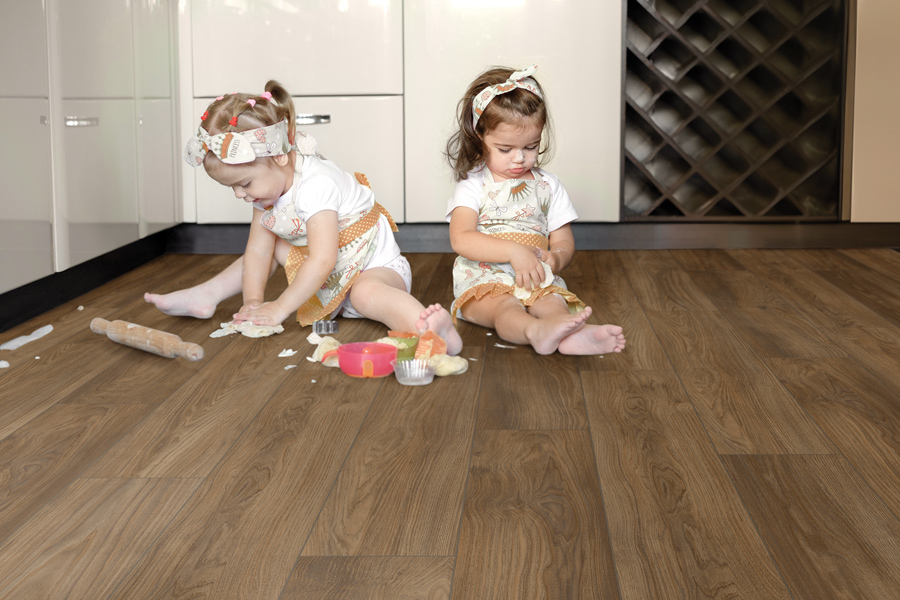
pixel 356 239
pixel 515 210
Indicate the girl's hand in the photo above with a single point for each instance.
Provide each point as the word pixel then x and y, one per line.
pixel 249 306
pixel 268 313
pixel 526 262
pixel 554 259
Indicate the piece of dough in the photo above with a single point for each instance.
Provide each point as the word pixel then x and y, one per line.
pixel 327 344
pixel 248 329
pixel 444 364
pixel 392 342
pixel 24 339
pixel 522 294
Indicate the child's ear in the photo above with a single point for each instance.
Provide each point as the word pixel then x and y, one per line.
pixel 281 159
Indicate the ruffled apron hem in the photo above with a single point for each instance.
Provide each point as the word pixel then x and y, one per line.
pixel 495 289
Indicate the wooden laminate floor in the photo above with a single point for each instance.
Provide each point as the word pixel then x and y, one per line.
pixel 745 445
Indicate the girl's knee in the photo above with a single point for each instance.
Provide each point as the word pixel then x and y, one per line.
pixel 282 249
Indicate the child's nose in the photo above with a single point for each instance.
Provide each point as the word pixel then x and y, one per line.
pixel 520 156
pixel 239 193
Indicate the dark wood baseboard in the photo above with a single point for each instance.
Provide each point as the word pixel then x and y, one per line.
pixel 31 300
pixel 434 237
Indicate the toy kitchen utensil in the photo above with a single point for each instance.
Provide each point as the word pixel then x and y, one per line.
pixel 364 359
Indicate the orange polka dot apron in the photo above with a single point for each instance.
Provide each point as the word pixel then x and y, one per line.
pixel 515 210
pixel 357 244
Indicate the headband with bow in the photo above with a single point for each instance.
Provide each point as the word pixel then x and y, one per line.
pixel 519 79
pixel 237 147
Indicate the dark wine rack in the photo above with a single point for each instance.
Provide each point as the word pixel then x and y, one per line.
pixel 733 110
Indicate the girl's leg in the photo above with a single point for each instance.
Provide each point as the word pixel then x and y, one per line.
pixel 380 294
pixel 543 326
pixel 590 339
pixel 201 300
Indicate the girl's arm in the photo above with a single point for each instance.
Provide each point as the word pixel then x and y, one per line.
pixel 322 235
pixel 562 248
pixel 470 243
pixel 257 262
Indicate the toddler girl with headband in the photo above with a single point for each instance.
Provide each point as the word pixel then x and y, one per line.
pixel 510 222
pixel 323 225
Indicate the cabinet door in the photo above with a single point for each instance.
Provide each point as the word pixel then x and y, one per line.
pixel 363 134
pixel 577 47
pixel 314 47
pixel 101 210
pixel 156 166
pixel 152 49
pixel 23 33
pixel 26 205
pixel 96 55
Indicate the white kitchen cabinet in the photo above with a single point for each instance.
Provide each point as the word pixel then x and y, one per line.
pixel 578 49
pixel 156 155
pixel 23 48
pixel 314 47
pixel 26 205
pixel 100 165
pixel 152 25
pixel 111 93
pixel 363 134
pixel 96 58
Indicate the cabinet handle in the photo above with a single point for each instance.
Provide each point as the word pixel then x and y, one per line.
pixel 311 119
pixel 82 121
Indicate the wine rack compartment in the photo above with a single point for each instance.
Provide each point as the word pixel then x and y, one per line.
pixel 733 110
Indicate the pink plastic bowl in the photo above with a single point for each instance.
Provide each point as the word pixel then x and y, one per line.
pixel 365 359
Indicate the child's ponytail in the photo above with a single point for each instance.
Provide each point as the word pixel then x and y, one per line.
pixel 283 105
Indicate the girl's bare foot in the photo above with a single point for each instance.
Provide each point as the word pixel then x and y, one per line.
pixel 437 319
pixel 546 334
pixel 594 339
pixel 192 302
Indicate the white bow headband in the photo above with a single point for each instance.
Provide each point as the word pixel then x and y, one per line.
pixel 237 147
pixel 519 79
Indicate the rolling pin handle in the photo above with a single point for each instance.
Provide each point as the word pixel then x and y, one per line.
pixel 99 325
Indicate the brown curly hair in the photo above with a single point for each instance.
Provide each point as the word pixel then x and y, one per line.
pixel 465 149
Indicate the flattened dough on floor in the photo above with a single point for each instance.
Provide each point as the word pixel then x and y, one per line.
pixel 248 329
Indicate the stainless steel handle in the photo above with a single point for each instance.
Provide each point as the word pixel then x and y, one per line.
pixel 311 119
pixel 72 121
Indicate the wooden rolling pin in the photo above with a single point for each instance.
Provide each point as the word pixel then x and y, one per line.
pixel 146 339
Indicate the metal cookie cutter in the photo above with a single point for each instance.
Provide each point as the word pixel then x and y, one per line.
pixel 324 327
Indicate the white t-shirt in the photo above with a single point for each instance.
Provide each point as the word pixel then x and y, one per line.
pixel 322 185
pixel 468 193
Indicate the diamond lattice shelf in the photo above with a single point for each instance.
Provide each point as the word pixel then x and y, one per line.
pixel 733 110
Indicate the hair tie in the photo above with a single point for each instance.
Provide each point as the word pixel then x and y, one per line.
pixel 233 121
pixel 266 95
pixel 251 102
pixel 204 116
pixel 519 79
pixel 219 97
